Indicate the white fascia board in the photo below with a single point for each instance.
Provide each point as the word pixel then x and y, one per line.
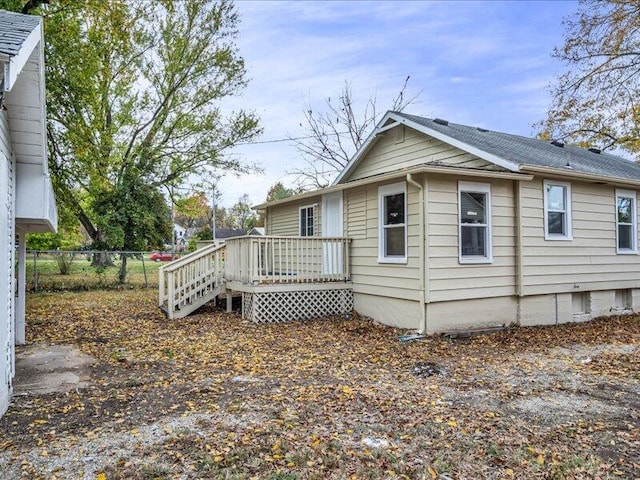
pixel 17 62
pixel 489 157
pixel 365 147
pixel 590 177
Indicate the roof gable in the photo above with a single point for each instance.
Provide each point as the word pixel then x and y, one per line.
pixel 512 152
pixel 402 147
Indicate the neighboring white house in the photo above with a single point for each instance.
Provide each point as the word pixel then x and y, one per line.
pixel 180 237
pixel 457 227
pixel 26 194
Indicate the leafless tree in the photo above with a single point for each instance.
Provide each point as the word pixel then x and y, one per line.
pixel 333 135
pixel 595 101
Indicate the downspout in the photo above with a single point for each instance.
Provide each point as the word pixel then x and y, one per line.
pixel 519 249
pixel 423 313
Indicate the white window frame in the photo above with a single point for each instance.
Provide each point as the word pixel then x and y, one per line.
pixel 634 223
pixel 474 187
pixel 313 207
pixel 385 191
pixel 568 208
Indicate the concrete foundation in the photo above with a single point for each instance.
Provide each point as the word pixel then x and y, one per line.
pixel 390 311
pixel 471 314
pixel 460 315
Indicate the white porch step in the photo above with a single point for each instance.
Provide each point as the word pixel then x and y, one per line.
pixel 184 309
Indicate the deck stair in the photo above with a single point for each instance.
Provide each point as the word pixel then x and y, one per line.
pixel 280 278
pixel 190 282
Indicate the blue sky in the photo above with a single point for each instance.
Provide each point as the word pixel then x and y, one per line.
pixel 482 63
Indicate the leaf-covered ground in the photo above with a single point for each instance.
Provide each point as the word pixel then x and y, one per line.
pixel 211 396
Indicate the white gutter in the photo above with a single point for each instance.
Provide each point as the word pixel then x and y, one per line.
pixel 423 313
pixel 426 168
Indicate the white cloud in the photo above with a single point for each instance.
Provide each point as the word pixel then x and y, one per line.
pixel 481 63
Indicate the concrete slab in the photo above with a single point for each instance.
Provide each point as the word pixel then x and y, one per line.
pixel 50 369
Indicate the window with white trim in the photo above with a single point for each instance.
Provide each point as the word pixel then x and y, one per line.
pixel 626 222
pixel 474 222
pixel 307 220
pixel 557 211
pixel 392 223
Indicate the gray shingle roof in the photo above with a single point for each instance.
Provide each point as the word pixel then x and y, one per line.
pixel 532 151
pixel 14 30
pixel 222 233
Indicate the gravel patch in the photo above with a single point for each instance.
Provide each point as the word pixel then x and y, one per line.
pixel 91 454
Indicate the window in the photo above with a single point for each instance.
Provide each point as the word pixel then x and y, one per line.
pixel 307 216
pixel 392 223
pixel 474 226
pixel 557 211
pixel 626 225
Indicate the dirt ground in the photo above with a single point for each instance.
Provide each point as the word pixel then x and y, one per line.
pixel 211 396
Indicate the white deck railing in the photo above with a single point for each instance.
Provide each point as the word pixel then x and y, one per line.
pixel 252 260
pixel 183 281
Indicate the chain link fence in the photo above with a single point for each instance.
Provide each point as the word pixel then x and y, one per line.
pixel 56 270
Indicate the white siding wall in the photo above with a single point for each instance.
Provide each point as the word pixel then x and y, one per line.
pixel 361 224
pixel 285 220
pixel 448 279
pixel 589 261
pixel 393 151
pixel 7 288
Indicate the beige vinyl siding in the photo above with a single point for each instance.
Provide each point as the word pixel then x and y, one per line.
pixel 388 155
pixel 450 280
pixel 284 220
pixel 589 261
pixel 355 208
pixel 370 277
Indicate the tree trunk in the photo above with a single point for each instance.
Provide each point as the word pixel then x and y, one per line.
pixel 122 274
pixel 100 259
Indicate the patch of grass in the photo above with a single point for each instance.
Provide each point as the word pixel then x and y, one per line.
pixel 81 275
pixel 573 464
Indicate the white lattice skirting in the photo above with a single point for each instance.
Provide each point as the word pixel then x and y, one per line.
pixel 270 307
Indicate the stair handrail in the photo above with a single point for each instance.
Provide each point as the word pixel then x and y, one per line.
pixel 179 262
pixel 166 285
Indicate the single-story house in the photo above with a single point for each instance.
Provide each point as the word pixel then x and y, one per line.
pixel 25 186
pixel 460 227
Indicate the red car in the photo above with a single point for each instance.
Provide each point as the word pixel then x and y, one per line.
pixel 162 257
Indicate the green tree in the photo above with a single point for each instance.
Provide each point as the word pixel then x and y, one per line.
pixel 193 212
pixel 595 100
pixel 278 192
pixel 135 94
pixel 241 214
pixel 134 216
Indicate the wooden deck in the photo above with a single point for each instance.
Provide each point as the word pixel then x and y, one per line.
pixel 281 278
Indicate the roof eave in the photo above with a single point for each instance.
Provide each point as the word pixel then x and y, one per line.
pixel 395 174
pixel 15 63
pixel 565 172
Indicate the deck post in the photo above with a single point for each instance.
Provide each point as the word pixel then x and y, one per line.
pixel 229 301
